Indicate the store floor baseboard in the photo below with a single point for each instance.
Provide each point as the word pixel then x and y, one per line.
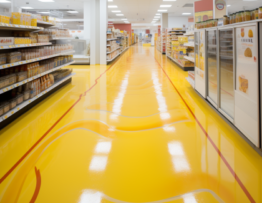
pixel 19 113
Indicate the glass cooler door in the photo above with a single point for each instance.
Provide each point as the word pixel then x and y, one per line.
pixel 196 49
pixel 226 71
pixel 212 91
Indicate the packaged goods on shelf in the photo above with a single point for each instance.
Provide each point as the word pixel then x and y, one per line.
pixel 13 57
pixel 22 40
pixel 56 33
pixel 6 41
pixel 16 74
pixel 21 18
pixel 4 19
pixel 176 28
pixel 110 35
pixel 61 74
pixel 33 20
pixel 182 39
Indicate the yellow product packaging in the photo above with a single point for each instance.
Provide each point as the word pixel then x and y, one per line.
pixel 16 18
pixel 182 40
pixel 4 19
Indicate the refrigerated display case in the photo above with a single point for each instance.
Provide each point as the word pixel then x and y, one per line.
pixel 226 72
pixel 212 66
pixel 200 65
pixel 232 69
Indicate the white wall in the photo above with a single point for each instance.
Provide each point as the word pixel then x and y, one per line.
pixel 178 22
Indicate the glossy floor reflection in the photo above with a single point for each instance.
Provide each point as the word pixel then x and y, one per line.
pixel 133 131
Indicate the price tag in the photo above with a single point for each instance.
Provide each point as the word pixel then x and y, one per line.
pixel 23 82
pixel 8 65
pixel 29 101
pixel 4 66
pixel 12 64
pixel 10 46
pixel 20 62
pixel 5 117
pixel 12 112
pixel 17 109
pixel 17 85
pixel 2 47
pixel 18 45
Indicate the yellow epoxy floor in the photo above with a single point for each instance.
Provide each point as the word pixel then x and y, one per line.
pixel 123 133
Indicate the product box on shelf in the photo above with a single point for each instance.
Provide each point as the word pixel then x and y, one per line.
pixel 6 41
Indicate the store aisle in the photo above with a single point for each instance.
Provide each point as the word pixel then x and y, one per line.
pixel 133 131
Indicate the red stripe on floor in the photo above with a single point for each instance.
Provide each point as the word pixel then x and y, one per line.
pixel 213 144
pixel 38 185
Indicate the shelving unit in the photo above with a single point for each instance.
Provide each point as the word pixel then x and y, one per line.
pixel 113 50
pixel 26 103
pixel 9 65
pixel 24 45
pixel 122 41
pixel 14 113
pixel 12 27
pixel 190 58
pixel 185 68
pixel 10 87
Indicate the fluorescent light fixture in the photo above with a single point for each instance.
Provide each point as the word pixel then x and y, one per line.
pixel 186 13
pixel 158 14
pixel 124 19
pixel 116 11
pixel 165 6
pixel 162 10
pixel 169 0
pixel 110 0
pixel 4 2
pixel 153 22
pixel 44 12
pixel 46 0
pixel 112 6
pixel 157 17
pixel 72 11
pixel 26 7
pixel 228 5
pixel 120 14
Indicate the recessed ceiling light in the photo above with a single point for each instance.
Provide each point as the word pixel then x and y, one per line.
pixel 110 0
pixel 26 7
pixel 169 0
pixel 124 19
pixel 157 17
pixel 165 6
pixel 153 22
pixel 186 13
pixel 72 11
pixel 44 12
pixel 228 5
pixel 158 14
pixel 46 0
pixel 120 14
pixel 112 6
pixel 116 11
pixel 4 2
pixel 162 10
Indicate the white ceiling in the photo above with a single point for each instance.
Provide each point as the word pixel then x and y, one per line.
pixel 138 12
